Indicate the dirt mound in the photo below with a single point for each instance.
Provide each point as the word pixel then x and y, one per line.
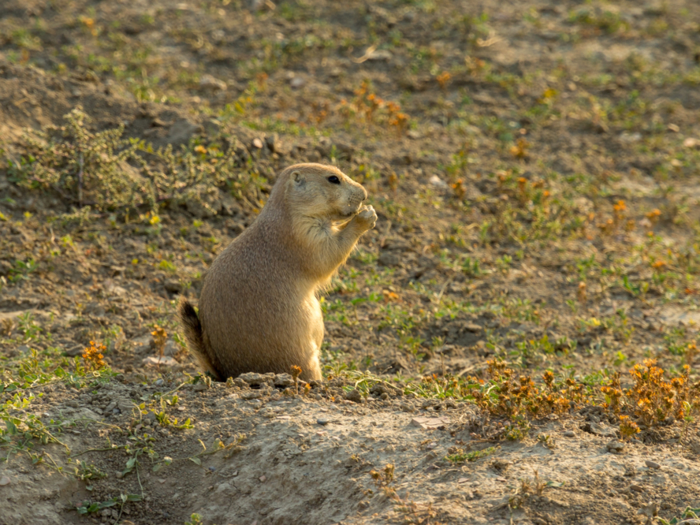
pixel 31 98
pixel 269 456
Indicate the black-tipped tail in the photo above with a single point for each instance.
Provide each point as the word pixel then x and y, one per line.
pixel 194 335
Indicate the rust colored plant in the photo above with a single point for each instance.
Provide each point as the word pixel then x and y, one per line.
pixel 658 265
pixel 93 356
pixel 443 79
pixel 581 292
pixel 261 80
pixel 519 149
pixel 296 372
pixel 654 399
pixel 607 227
pixel 371 104
pixel 375 109
pixel 319 112
pixel 619 210
pixel 522 188
pixel 384 476
pixel 504 394
pixel 397 119
pixel 393 181
pixel 159 338
pixel 474 65
pixel 691 352
pixel 459 188
pixel 7 326
pixel 628 428
pixel 653 215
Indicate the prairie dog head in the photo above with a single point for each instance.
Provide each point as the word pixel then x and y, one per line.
pixel 322 192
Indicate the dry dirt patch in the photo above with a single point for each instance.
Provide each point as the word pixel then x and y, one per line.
pixel 278 458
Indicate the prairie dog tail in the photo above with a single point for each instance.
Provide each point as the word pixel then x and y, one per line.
pixel 193 334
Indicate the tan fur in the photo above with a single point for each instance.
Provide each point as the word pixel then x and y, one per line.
pixel 259 311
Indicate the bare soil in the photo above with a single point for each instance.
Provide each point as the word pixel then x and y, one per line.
pixel 536 171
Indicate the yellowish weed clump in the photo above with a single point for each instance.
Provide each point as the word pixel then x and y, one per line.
pixel 160 337
pixel 375 109
pixel 651 400
pixel 520 395
pixel 654 399
pixel 93 355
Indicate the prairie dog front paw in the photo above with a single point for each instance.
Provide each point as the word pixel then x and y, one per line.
pixel 366 218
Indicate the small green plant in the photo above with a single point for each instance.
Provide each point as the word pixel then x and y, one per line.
pixel 241 105
pixel 606 20
pixel 461 456
pixel 22 270
pixel 86 471
pixel 689 513
pixel 195 519
pixel 504 263
pixel 675 340
pixel 91 508
pixel 165 420
pixel 23 430
pixel 538 346
pixel 471 267
pixel 28 326
pixel 547 441
pixel 517 429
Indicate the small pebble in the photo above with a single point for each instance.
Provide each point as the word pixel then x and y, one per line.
pixel 4 481
pixel 615 447
pixel 159 382
pixel 297 82
pixel 652 464
pixel 569 433
pixel 355 396
pixel 322 422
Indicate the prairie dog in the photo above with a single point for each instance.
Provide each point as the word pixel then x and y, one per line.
pixel 259 310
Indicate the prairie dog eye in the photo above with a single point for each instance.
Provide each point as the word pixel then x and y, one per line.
pixel 333 179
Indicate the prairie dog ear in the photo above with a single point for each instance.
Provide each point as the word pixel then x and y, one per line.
pixel 298 178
